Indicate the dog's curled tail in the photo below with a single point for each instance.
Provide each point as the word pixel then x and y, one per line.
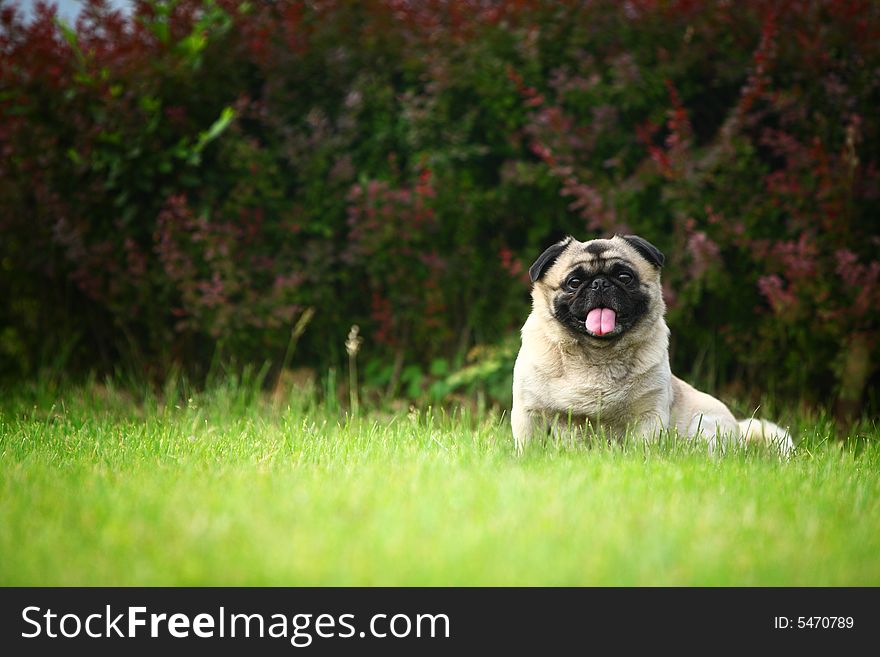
pixel 765 432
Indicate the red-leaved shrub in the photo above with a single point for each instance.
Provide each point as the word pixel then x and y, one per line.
pixel 179 183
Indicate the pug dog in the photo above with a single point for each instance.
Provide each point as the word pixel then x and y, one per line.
pixel 595 353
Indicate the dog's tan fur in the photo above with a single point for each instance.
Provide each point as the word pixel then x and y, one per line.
pixel 622 385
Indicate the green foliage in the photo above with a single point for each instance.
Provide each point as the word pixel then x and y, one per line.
pixel 178 186
pixel 489 370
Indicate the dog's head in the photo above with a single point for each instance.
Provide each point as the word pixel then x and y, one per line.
pixel 600 290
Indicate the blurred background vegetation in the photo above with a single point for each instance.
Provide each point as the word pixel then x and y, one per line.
pixel 200 186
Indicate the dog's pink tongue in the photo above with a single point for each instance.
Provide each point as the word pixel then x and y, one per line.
pixel 601 321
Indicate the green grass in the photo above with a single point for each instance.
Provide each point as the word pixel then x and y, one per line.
pixel 232 489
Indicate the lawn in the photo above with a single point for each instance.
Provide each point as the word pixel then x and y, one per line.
pixel 233 488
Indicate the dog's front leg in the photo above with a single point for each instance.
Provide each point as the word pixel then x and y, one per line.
pixel 524 424
pixel 650 427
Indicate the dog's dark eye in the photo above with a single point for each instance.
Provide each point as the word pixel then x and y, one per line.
pixel 574 283
pixel 625 277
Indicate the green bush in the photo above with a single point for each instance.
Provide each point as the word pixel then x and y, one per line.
pixel 180 184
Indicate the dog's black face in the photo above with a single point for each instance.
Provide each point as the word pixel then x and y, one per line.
pixel 600 289
pixel 586 296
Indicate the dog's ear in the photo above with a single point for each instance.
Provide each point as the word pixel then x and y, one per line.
pixel 546 259
pixel 647 250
